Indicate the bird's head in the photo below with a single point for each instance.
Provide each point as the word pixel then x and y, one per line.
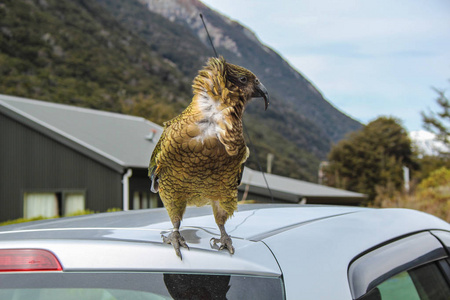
pixel 247 82
pixel 236 79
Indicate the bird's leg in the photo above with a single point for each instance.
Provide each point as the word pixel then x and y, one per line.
pixel 221 217
pixel 175 239
pixel 225 240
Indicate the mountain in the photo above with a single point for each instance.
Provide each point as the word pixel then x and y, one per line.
pixel 121 56
pixel 426 143
pixel 299 116
pixel 241 46
pixel 76 53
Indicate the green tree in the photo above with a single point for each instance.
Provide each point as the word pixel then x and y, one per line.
pixel 439 122
pixel 371 157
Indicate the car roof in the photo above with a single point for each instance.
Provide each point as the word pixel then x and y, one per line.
pixel 270 240
pixel 260 220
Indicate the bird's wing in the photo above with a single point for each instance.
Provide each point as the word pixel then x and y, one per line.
pixel 154 167
pixel 156 161
pixel 241 169
pixel 241 172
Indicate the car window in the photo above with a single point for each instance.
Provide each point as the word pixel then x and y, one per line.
pixel 136 286
pixel 379 270
pixel 423 283
pixel 400 286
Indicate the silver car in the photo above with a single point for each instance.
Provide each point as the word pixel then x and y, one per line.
pixel 282 252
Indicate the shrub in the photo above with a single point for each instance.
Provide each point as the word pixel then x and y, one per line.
pixel 432 195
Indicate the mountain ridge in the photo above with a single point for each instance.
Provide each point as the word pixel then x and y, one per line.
pixel 243 47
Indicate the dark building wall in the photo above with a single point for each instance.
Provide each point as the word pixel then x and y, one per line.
pixel 33 162
pixel 140 182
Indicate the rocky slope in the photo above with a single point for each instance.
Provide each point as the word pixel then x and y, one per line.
pixel 241 46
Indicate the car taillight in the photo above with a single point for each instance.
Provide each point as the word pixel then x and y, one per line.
pixel 16 260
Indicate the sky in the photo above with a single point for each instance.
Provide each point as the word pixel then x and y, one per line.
pixel 368 58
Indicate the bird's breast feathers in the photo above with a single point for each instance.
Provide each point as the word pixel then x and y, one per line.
pixel 214 119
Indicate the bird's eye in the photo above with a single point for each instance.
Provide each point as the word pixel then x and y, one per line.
pixel 243 79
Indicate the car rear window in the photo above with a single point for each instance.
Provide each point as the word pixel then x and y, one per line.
pixel 137 286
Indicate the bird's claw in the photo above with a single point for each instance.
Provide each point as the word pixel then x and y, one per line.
pixel 225 242
pixel 176 240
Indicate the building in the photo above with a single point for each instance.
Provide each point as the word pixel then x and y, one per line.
pixel 285 189
pixel 58 159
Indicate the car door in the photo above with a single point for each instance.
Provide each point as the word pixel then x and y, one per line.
pixel 415 267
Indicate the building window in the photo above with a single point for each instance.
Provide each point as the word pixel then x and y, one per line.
pixel 142 200
pixel 40 205
pixel 73 202
pixel 47 205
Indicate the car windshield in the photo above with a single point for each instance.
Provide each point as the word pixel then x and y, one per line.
pixel 137 286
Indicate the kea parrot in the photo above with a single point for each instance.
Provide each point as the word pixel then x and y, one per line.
pixel 200 156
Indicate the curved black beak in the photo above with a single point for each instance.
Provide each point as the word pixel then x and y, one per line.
pixel 261 91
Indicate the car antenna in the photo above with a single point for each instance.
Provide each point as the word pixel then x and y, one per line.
pixel 245 128
pixel 209 37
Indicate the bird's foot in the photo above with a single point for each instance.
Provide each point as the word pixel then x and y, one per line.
pixel 176 240
pixel 225 242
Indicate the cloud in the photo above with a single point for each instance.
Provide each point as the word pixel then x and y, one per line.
pixel 367 57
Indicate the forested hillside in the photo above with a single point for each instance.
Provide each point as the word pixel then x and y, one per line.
pixel 117 55
pixel 73 52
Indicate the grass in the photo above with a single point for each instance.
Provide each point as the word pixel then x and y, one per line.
pixel 77 213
